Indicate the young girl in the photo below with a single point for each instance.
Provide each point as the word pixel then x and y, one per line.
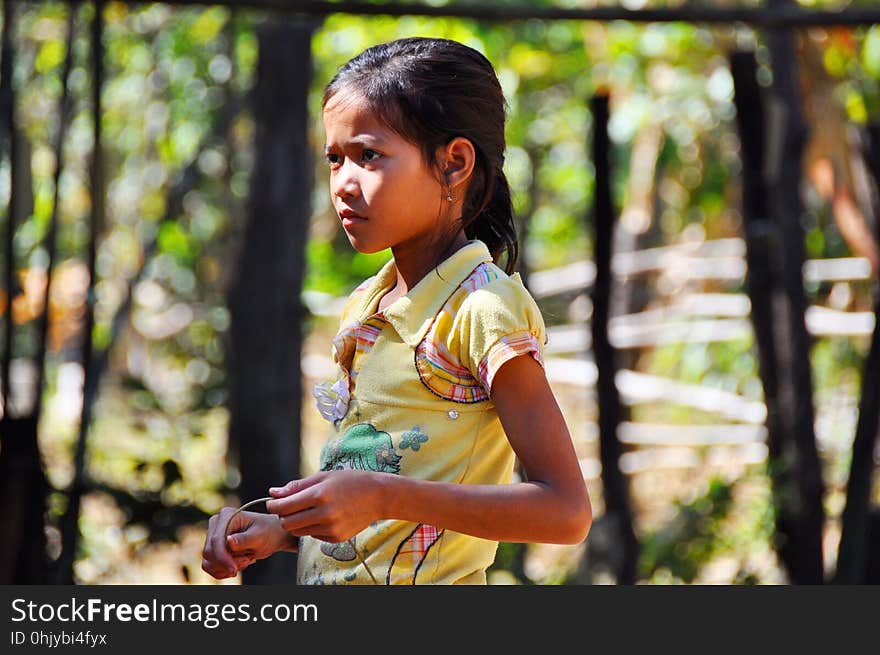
pixel 440 381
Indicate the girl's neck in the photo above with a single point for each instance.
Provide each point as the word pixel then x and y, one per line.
pixel 412 265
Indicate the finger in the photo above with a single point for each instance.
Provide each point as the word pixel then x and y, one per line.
pixel 218 568
pixel 324 535
pixel 295 486
pixel 213 563
pixel 235 544
pixel 299 502
pixel 239 523
pixel 310 530
pixel 219 572
pixel 243 561
pixel 323 531
pixel 297 521
pixel 212 527
pixel 327 538
pixel 218 550
pixel 242 542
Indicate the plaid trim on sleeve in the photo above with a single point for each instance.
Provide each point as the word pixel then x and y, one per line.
pixel 506 348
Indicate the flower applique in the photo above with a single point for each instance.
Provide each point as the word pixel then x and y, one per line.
pixel 413 439
pixel 332 399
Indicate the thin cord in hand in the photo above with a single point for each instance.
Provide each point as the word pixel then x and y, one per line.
pixel 242 508
pixel 363 561
pixel 267 498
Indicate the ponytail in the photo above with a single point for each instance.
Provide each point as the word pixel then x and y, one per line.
pixel 493 223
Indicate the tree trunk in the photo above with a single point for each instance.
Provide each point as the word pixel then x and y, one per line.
pixel 764 270
pixel 23 484
pixel 23 489
pixel 9 143
pixel 802 514
pixel 264 300
pixel 618 514
pixel 69 523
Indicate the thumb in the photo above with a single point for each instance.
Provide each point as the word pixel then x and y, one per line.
pixel 238 542
pixel 233 543
pixel 239 523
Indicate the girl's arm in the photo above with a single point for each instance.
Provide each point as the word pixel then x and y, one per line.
pixel 552 506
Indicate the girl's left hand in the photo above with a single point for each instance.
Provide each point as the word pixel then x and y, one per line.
pixel 330 505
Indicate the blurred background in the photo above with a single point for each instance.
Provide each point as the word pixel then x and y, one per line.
pixel 696 192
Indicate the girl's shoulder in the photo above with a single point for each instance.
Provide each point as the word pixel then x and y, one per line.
pixel 489 293
pixel 490 318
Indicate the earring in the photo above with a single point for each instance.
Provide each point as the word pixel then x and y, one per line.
pixel 449 197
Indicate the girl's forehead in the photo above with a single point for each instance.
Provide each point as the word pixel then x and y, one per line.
pixel 347 118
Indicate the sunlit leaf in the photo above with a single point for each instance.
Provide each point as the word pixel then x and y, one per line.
pixel 208 24
pixel 172 239
pixel 51 54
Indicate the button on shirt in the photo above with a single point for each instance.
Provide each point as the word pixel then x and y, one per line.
pixel 411 396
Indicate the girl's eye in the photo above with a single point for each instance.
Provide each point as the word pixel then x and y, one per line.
pixel 333 159
pixel 371 155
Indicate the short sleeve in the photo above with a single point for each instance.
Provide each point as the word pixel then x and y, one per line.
pixel 496 323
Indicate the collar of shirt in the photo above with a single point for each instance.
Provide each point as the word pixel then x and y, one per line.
pixel 411 315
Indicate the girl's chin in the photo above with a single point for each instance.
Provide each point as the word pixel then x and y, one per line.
pixel 364 247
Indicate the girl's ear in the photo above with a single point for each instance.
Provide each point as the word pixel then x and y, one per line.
pixel 457 162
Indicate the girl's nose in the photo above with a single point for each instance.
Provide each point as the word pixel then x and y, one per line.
pixel 345 184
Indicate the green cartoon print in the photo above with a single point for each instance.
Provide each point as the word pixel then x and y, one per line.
pixel 362 447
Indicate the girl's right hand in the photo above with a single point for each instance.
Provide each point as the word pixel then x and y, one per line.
pixel 251 536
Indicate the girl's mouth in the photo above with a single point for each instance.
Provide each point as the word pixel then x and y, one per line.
pixel 350 218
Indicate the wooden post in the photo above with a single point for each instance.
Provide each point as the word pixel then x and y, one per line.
pixel 763 280
pixel 7 116
pixel 267 315
pixel 618 513
pixel 69 524
pixel 24 486
pixel 802 514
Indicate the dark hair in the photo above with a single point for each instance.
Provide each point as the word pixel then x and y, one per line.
pixel 430 91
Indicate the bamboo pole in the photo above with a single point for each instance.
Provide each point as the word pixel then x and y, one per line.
pixel 69 524
pixel 801 511
pixel 762 17
pixel 618 511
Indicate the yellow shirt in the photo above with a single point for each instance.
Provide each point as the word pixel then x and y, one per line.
pixel 411 397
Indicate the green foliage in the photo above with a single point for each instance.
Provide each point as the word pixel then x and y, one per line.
pixel 871 53
pixel 690 539
pixel 507 558
pixel 330 271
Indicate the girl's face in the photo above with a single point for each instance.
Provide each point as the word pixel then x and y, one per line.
pixel 381 187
